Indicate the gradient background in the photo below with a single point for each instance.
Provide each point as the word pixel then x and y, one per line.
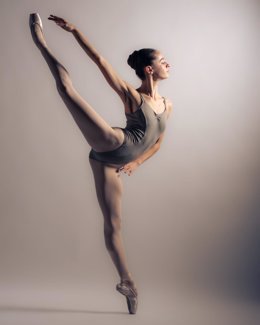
pixel 190 213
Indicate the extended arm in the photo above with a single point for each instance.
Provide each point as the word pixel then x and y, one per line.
pixel 85 44
pixel 119 85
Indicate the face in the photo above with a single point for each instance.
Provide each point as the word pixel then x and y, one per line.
pixel 160 66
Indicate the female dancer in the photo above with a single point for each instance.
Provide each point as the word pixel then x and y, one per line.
pixel 114 149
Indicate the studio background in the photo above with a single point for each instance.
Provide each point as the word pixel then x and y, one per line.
pixel 190 212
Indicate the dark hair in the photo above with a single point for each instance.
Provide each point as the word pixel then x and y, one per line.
pixel 140 59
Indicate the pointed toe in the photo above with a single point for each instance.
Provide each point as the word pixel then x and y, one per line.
pixel 35 19
pixel 131 296
pixel 132 305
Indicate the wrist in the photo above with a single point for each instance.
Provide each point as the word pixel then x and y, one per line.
pixel 138 161
pixel 74 30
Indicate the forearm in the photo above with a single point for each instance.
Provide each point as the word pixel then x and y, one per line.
pixel 147 154
pixel 85 44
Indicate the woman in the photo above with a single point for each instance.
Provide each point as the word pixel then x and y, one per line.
pixel 114 149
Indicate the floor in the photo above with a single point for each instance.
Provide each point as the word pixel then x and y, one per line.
pixel 96 307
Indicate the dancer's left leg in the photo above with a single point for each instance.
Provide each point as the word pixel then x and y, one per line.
pixel 98 133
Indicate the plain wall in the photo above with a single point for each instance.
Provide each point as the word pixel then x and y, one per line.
pixel 191 212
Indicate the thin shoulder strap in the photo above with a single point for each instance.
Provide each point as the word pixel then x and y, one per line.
pixel 164 99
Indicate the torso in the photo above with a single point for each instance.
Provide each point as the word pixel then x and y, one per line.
pixel 133 103
pixel 143 128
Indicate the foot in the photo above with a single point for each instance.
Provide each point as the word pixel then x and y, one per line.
pixel 130 283
pixel 37 29
pixel 129 290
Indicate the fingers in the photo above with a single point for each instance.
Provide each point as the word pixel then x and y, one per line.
pixel 52 17
pixel 126 170
pixel 56 19
pixel 118 170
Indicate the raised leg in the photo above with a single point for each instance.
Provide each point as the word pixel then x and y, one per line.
pixel 98 133
pixel 109 193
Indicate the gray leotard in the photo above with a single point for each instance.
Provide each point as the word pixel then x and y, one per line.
pixel 143 128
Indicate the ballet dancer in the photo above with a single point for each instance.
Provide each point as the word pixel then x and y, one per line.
pixel 114 149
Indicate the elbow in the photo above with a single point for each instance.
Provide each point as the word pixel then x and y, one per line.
pixel 97 59
pixel 100 60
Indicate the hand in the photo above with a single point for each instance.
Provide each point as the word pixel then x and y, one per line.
pixel 129 167
pixel 62 23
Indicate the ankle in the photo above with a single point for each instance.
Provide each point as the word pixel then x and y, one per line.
pixel 130 284
pixel 127 278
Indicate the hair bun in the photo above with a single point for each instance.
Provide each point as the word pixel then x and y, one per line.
pixel 140 59
pixel 133 60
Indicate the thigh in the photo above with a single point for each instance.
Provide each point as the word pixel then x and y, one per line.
pixel 109 189
pixel 98 133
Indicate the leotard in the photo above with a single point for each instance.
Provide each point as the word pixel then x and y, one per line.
pixel 143 128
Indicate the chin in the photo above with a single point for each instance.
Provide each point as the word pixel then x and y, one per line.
pixel 164 76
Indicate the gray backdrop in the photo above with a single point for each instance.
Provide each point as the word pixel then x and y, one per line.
pixel 190 213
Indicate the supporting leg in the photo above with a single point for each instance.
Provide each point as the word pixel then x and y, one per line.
pixel 109 193
pixel 98 133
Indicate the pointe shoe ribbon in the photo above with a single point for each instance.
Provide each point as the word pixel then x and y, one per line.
pixel 126 289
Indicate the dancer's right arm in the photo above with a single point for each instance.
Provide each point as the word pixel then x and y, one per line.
pixel 119 85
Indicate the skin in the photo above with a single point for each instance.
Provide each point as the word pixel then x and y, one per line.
pixel 101 136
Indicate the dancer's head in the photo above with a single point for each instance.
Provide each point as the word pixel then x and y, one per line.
pixel 149 62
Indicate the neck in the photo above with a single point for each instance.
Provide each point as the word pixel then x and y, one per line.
pixel 149 87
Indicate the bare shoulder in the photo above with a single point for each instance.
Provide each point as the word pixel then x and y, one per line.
pixel 169 103
pixel 169 106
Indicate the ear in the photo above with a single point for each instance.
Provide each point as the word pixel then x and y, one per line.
pixel 148 69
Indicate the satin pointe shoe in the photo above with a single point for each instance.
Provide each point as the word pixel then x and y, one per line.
pixel 131 295
pixel 35 19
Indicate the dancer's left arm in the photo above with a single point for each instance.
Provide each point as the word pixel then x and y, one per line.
pixel 132 165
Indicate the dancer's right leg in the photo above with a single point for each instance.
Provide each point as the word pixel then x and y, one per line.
pixel 98 133
pixel 109 194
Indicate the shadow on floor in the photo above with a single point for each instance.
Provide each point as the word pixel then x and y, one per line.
pixel 57 310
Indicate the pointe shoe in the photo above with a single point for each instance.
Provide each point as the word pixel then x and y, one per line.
pixel 131 295
pixel 35 19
